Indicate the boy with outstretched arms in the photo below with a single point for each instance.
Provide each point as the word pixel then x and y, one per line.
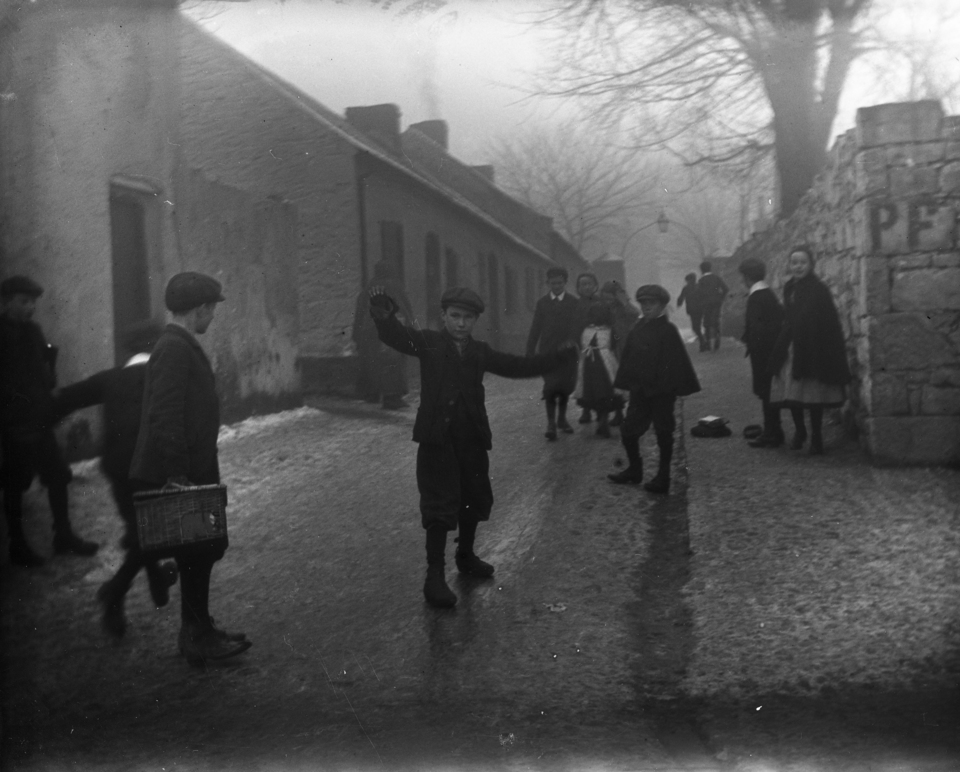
pixel 451 425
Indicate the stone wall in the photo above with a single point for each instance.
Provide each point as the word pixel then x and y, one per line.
pixel 882 219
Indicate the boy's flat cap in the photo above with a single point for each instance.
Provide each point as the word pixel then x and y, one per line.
pixel 20 285
pixel 189 290
pixel 462 297
pixel 653 292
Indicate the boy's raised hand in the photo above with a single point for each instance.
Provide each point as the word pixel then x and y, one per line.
pixel 382 306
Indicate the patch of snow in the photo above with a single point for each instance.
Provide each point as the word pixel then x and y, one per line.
pixel 259 423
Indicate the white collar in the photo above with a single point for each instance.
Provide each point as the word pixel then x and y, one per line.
pixel 758 286
pixel 138 359
pixel 558 297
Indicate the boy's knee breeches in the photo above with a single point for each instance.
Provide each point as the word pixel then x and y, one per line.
pixel 644 411
pixel 454 480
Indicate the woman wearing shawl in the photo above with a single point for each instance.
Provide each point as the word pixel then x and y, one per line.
pixel 810 356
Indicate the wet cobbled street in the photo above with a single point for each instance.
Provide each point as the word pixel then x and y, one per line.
pixel 739 623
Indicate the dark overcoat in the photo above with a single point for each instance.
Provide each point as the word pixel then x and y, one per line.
pixel 812 327
pixel 689 296
pixel 711 291
pixel 556 322
pixel 26 378
pixel 120 391
pixel 445 375
pixel 763 320
pixel 180 416
pixel 655 361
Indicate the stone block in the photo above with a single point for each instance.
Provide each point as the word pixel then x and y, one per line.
pixel 950 178
pixel 937 400
pixel 915 155
pixel 886 395
pixel 871 173
pixel 910 181
pixel 906 341
pixel 945 260
pixel 919 224
pixel 910 262
pixel 873 289
pixel 946 376
pixel 926 289
pixel 951 127
pixel 899 122
pixel 918 440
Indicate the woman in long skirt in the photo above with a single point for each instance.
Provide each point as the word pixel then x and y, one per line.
pixel 810 356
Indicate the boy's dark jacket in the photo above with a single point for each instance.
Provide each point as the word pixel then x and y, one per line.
pixel 444 374
pixel 120 391
pixel 655 361
pixel 180 416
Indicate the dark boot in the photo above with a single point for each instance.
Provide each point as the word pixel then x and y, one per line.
pixel 201 644
pixel 112 619
pixel 562 424
pixel 161 578
pixel 466 559
pixel 816 431
pixel 633 474
pixel 551 433
pixel 661 482
pixel 603 425
pixel 800 431
pixel 772 436
pixel 20 552
pixel 65 541
pixel 435 589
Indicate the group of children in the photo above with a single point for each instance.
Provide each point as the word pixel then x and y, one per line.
pixel 451 426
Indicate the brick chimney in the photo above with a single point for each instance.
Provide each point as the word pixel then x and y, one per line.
pixel 435 130
pixel 484 170
pixel 379 122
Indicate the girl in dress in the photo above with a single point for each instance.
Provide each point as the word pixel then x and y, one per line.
pixel 598 368
pixel 810 356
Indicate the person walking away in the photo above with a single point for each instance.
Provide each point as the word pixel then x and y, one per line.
pixel 655 369
pixel 555 324
pixel 625 316
pixel 598 368
pixel 587 286
pixel 29 446
pixel 451 427
pixel 381 371
pixel 711 292
pixel 689 296
pixel 120 391
pixel 763 320
pixel 177 445
pixel 810 355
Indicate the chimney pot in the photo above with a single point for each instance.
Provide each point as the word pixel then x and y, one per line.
pixel 379 122
pixel 435 129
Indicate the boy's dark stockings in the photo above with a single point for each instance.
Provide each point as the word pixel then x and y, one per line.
pixel 816 429
pixel 661 482
pixel 633 474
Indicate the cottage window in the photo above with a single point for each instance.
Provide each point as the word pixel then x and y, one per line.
pixel 391 246
pixel 509 290
pixel 432 274
pixel 453 268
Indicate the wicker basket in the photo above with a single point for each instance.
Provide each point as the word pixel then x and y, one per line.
pixel 174 517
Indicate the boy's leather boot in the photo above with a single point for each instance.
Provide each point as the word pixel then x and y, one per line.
pixel 435 589
pixel 466 559
pixel 661 482
pixel 632 475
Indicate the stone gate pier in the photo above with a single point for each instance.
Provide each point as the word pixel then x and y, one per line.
pixel 882 218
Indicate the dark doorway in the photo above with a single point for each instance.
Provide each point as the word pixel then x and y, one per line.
pixel 493 281
pixel 131 275
pixel 391 246
pixel 432 266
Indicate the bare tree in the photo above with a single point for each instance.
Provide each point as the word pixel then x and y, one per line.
pixel 576 174
pixel 715 80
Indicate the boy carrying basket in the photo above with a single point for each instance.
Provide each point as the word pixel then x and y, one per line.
pixel 451 425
